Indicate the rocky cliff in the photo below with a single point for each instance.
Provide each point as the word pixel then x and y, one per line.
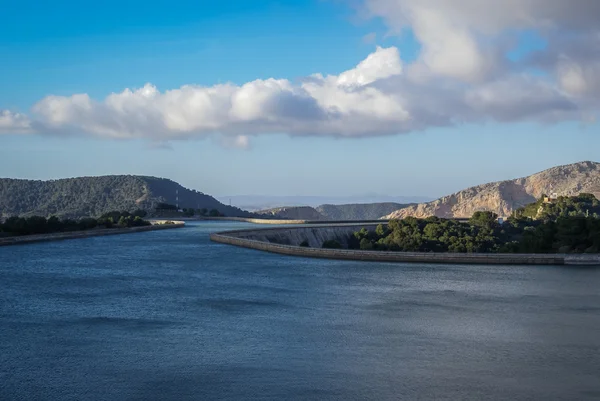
pixel 505 196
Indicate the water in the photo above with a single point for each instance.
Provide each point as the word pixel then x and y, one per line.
pixel 170 316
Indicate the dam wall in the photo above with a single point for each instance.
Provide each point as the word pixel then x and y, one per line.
pixel 285 241
pixel 281 221
pixel 314 235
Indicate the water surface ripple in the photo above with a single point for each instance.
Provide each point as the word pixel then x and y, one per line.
pixel 168 315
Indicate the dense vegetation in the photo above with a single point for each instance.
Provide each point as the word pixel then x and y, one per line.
pixel 93 196
pixel 329 244
pixel 565 225
pixel 40 225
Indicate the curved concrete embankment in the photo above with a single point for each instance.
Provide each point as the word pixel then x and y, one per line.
pixel 28 239
pixel 285 241
pixel 283 222
pixel 245 220
pixel 315 235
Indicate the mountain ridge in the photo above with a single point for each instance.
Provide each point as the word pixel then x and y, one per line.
pixel 254 203
pixel 502 197
pixel 351 211
pixel 94 195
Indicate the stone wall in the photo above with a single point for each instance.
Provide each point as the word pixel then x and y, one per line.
pixel 284 240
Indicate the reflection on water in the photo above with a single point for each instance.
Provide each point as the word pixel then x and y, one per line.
pixel 169 315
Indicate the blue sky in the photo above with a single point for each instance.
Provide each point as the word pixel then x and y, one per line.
pixel 66 47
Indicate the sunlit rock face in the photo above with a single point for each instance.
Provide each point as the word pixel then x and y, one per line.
pixel 505 196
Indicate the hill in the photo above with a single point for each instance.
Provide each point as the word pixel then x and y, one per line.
pixel 266 202
pixel 368 211
pixel 293 213
pixel 504 197
pixel 93 196
pixel 557 225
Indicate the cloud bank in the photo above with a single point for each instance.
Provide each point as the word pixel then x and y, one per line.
pixel 462 75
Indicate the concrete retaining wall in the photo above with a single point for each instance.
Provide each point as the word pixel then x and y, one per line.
pixel 315 235
pixel 283 222
pixel 260 239
pixel 246 220
pixel 28 239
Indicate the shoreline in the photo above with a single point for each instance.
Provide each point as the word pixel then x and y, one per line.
pixel 30 239
pixel 258 239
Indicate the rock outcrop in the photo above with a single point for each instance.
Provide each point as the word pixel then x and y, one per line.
pixel 505 196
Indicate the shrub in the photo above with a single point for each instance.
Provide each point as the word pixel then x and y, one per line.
pixel 332 244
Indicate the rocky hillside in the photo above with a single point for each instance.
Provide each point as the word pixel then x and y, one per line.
pixel 505 196
pixel 92 196
pixel 367 211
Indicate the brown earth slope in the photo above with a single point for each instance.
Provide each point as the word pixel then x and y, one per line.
pixel 505 196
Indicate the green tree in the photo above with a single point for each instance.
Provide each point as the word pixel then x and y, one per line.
pixel 332 244
pixel 484 219
pixel 381 231
pixel 366 245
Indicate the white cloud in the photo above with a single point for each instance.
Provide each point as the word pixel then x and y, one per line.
pixel 491 16
pixel 578 78
pixel 462 75
pixel 14 123
pixel 344 105
pixel 461 38
pixel 384 63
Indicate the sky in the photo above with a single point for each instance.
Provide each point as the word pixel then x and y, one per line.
pixel 299 97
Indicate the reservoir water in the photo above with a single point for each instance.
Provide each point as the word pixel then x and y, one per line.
pixel 168 315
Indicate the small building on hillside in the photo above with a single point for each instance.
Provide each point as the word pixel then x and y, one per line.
pixel 551 198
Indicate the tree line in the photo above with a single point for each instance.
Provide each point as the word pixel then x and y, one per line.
pixel 17 226
pixel 564 225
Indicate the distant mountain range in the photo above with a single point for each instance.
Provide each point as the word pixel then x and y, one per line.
pixel 369 211
pixel 92 196
pixel 264 202
pixel 505 196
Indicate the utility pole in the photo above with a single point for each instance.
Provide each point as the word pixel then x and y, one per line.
pixel 177 199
